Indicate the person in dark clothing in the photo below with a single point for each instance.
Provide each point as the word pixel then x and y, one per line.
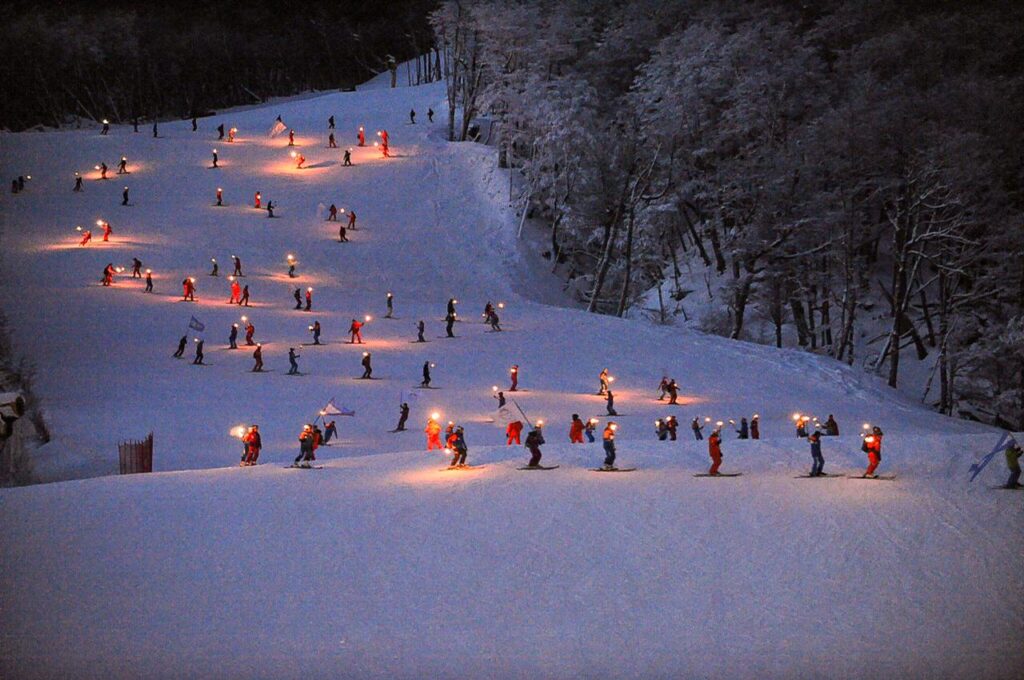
pixel 103 170
pixel 426 374
pixel 755 427
pixel 331 144
pixel 136 268
pixel 697 427
pixel 233 337
pixel 135 124
pixel 292 360
pixel 298 298
pixel 330 432
pixel 106 128
pixel 744 431
pixel 270 208
pixel 534 440
pixel 430 115
pixel 493 321
pixel 817 467
pixel 215 158
pixel 611 404
pixel 220 132
pixel 589 429
pixel 451 306
pixel 671 424
pixel 449 324
pixel 244 300
pixel 412 116
pixel 500 396
pixel 216 267
pixel 122 166
pixel 831 426
pixel 149 281
pixel 155 132
pixel 181 347
pixel 347 161
pixel 195 124
pixel 673 391
pixel 258 356
pixel 199 352
pixel 220 196
pixel 315 329
pixel 250 331
pixel 367 367
pixel 332 213
pixel 391 306
pixel 330 123
pixel 403 416
pixel 238 265
pixel 609 445
pixel 661 429
pixel 1013 453
pixel 342 234
pixel 419 332
pixel 124 196
pixel 78 182
pixel 457 442
pixel 305 447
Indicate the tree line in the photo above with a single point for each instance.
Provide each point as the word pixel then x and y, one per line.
pixel 846 175
pixel 124 61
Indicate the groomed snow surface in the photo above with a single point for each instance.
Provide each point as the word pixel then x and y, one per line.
pixel 383 565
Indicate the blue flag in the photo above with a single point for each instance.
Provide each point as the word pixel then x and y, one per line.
pixel 196 325
pixel 1003 444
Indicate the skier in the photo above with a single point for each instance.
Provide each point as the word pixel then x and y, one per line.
pixel 514 375
pixel 298 298
pixel 662 388
pixel 412 116
pixel 433 430
pixel 347 161
pixel 108 274
pixel 330 432
pixel 426 374
pixel 156 132
pixel 513 431
pixel 697 427
pixel 609 445
pixel 352 220
pixel 292 361
pixel 755 427
pixel 1013 453
pixel 258 356
pixel 189 287
pixel 270 208
pixel 256 200
pixel 589 429
pixel 355 332
pixel 576 430
pixel 106 127
pixel 534 440
pixel 250 330
pixel 214 158
pixel 671 424
pixel 315 328
pixel 457 442
pixel 451 306
pixel 305 447
pixel 136 268
pixel 135 124
pixel 216 267
pixel 603 380
pixel 220 132
pixel 107 230
pixel 124 196
pixel 611 404
pixel 361 136
pixel 420 331
pixel 299 160
pixel 253 444
pixel 744 431
pixel 330 123
pixel 122 166
pixel 403 416
pixel 331 144
pixel 872 445
pixel 103 170
pixel 673 391
pixel 195 125
pixel 291 138
pixel 291 268
pixel 430 115
pixel 332 213
pixel 449 324
pixel 233 337
pixel 244 301
pixel 500 396
pixel 78 182
pixel 818 466
pixel 149 281
pixel 86 237
pixel 309 299
pixel 391 306
pixel 715 450
pixel 367 367
pixel 236 292
pixel 801 427
pixel 661 429
pixel 831 426
pixel 231 135
pixel 199 352
pixel 238 265
pixel 492 319
pixel 181 347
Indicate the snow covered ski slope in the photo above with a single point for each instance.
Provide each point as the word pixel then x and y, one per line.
pixel 381 565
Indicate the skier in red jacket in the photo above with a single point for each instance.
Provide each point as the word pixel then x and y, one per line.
pixel 872 446
pixel 576 430
pixel 355 331
pixel 236 292
pixel 514 375
pixel 189 289
pixel 715 450
pixel 513 431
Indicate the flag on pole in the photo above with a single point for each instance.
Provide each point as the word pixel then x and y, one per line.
pixel 332 410
pixel 1005 442
pixel 278 128
pixel 196 325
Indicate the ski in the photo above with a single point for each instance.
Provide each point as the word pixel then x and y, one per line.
pixel 825 474
pixel 463 467
pixel 612 470
pixel 1003 487
pixel 539 467
pixel 885 479
pixel 720 474
pixel 305 467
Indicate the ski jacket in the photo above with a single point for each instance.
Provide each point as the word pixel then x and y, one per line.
pixel 715 445
pixel 576 429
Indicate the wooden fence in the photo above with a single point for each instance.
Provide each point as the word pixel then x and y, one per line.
pixel 136 456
